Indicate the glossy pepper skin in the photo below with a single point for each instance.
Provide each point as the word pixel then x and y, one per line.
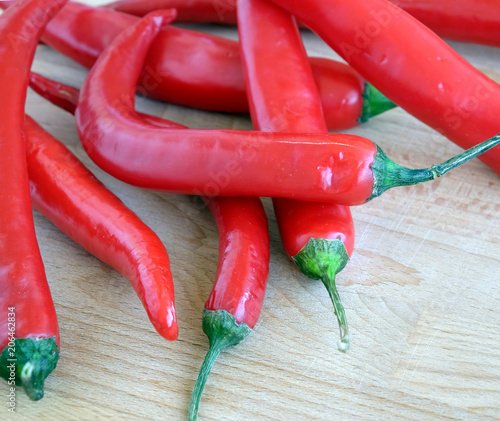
pixel 70 196
pixel 242 238
pixel 284 98
pixel 305 220
pixel 24 290
pixel 204 71
pixel 243 267
pixel 411 65
pixel 204 162
pixel 242 225
pixel 241 222
pixel 235 302
pixel 274 108
pixel 461 20
pixel 327 167
pixel 319 237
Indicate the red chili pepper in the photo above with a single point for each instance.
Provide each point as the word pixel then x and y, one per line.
pixel 316 236
pixel 57 93
pixel 69 195
pixel 234 305
pixel 287 102
pixel 204 71
pixel 244 247
pixel 331 167
pixel 29 336
pixel 460 20
pixel 409 64
pixel 235 302
pixel 283 97
pixel 320 240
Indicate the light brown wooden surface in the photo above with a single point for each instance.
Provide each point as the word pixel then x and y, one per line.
pixel 421 295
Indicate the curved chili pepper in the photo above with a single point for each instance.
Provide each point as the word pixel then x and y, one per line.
pixel 329 167
pixel 69 195
pixel 296 94
pixel 29 337
pixel 318 237
pixel 234 305
pixel 204 71
pixel 460 20
pixel 284 98
pixel 235 302
pixel 409 64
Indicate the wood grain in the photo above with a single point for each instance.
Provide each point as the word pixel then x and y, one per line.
pixel 421 294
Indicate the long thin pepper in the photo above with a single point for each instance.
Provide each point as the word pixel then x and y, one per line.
pixel 24 291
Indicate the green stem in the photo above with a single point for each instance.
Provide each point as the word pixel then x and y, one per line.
pixel 374 103
pixel 329 282
pixel 222 331
pixel 213 352
pixel 387 174
pixel 323 259
pixel 33 360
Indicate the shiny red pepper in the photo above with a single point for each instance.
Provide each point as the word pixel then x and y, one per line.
pixel 326 167
pixel 233 280
pixel 204 71
pixel 244 250
pixel 69 195
pixel 319 237
pixel 460 20
pixel 235 302
pixel 283 98
pixel 29 338
pixel 411 65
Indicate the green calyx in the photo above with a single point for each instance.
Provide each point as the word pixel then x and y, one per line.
pixel 387 174
pixel 323 259
pixel 222 331
pixel 374 103
pixel 28 363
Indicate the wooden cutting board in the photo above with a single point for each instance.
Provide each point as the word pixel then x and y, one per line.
pixel 421 294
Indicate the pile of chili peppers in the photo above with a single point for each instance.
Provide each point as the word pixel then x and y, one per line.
pixel 313 175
